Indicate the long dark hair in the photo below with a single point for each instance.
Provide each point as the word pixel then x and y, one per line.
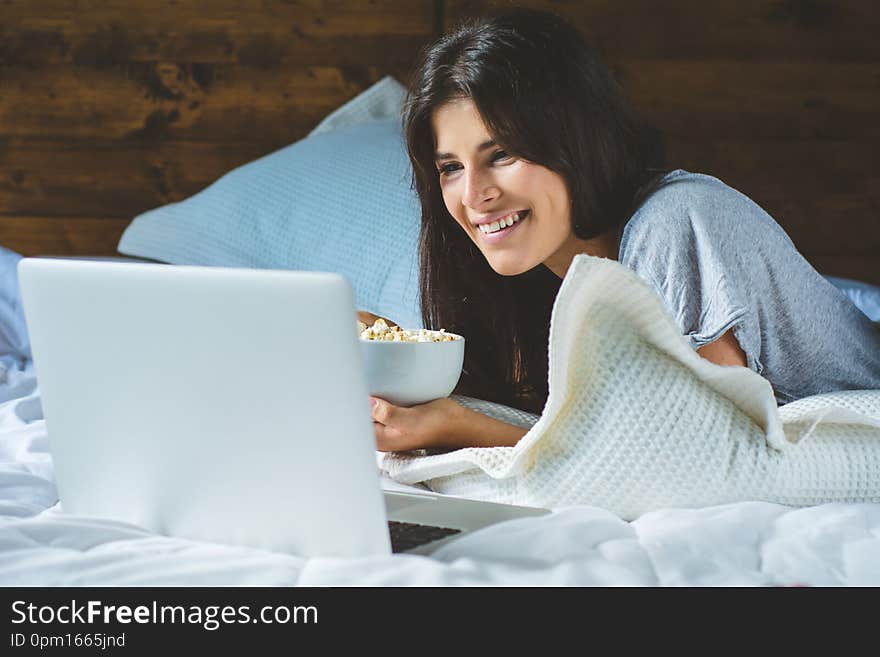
pixel 545 95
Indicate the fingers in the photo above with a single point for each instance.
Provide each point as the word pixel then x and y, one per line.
pixel 383 411
pixel 384 443
pixel 389 427
pixel 390 439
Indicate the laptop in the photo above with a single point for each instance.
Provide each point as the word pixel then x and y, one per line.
pixel 222 404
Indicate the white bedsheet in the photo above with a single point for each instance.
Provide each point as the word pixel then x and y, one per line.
pixel 741 544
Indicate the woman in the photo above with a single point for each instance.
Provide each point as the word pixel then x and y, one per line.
pixel 524 155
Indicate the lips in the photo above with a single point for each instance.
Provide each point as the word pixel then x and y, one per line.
pixel 496 217
pixel 501 234
pixel 500 224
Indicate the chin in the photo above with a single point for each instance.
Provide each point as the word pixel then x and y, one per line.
pixel 506 268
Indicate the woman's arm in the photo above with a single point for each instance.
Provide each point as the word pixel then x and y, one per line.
pixel 442 423
pixel 724 351
pixel 473 429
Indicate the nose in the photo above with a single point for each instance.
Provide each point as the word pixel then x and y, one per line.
pixel 479 189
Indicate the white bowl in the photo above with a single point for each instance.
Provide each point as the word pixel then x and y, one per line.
pixel 410 373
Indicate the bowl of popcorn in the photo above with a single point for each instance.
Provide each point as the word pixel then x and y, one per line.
pixel 410 366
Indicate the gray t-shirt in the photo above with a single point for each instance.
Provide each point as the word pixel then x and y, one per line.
pixel 720 262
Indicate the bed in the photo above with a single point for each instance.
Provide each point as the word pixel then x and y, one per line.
pixel 740 544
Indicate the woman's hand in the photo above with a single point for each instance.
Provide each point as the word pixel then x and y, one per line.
pixel 442 423
pixel 398 428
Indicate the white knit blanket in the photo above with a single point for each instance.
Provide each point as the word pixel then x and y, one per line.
pixel 636 421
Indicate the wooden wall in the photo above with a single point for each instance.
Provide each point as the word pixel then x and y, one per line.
pixel 109 108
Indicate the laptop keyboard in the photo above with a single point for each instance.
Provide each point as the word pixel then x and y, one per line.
pixel 407 535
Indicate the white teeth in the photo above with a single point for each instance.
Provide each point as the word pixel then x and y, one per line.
pixel 504 222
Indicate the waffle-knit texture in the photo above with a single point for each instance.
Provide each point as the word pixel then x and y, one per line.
pixel 636 421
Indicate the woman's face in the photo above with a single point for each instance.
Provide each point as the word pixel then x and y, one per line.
pixel 483 186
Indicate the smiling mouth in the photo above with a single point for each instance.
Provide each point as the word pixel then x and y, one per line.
pixel 506 222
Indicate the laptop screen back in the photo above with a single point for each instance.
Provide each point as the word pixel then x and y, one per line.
pixel 218 404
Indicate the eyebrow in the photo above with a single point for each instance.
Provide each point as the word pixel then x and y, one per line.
pixel 447 156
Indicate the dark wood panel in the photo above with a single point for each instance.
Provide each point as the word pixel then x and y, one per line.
pixel 197 69
pixel 756 98
pixel 826 224
pixel 254 33
pixel 785 166
pixel 860 268
pixel 171 101
pixel 32 236
pixel 698 29
pixel 111 179
pixel 696 99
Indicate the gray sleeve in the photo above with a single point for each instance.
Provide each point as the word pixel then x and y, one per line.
pixel 683 247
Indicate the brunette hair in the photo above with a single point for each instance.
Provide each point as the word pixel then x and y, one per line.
pixel 545 95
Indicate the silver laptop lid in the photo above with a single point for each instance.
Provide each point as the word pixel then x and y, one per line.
pixel 218 404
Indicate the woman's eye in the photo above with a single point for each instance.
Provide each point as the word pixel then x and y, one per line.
pixel 451 167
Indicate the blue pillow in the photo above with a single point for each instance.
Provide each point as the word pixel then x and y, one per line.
pixel 14 340
pixel 866 297
pixel 337 201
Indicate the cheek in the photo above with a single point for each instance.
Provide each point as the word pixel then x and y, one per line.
pixel 523 179
pixel 452 200
pixel 446 193
pixel 554 195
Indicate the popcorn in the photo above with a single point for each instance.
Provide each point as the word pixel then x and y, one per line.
pixel 380 330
